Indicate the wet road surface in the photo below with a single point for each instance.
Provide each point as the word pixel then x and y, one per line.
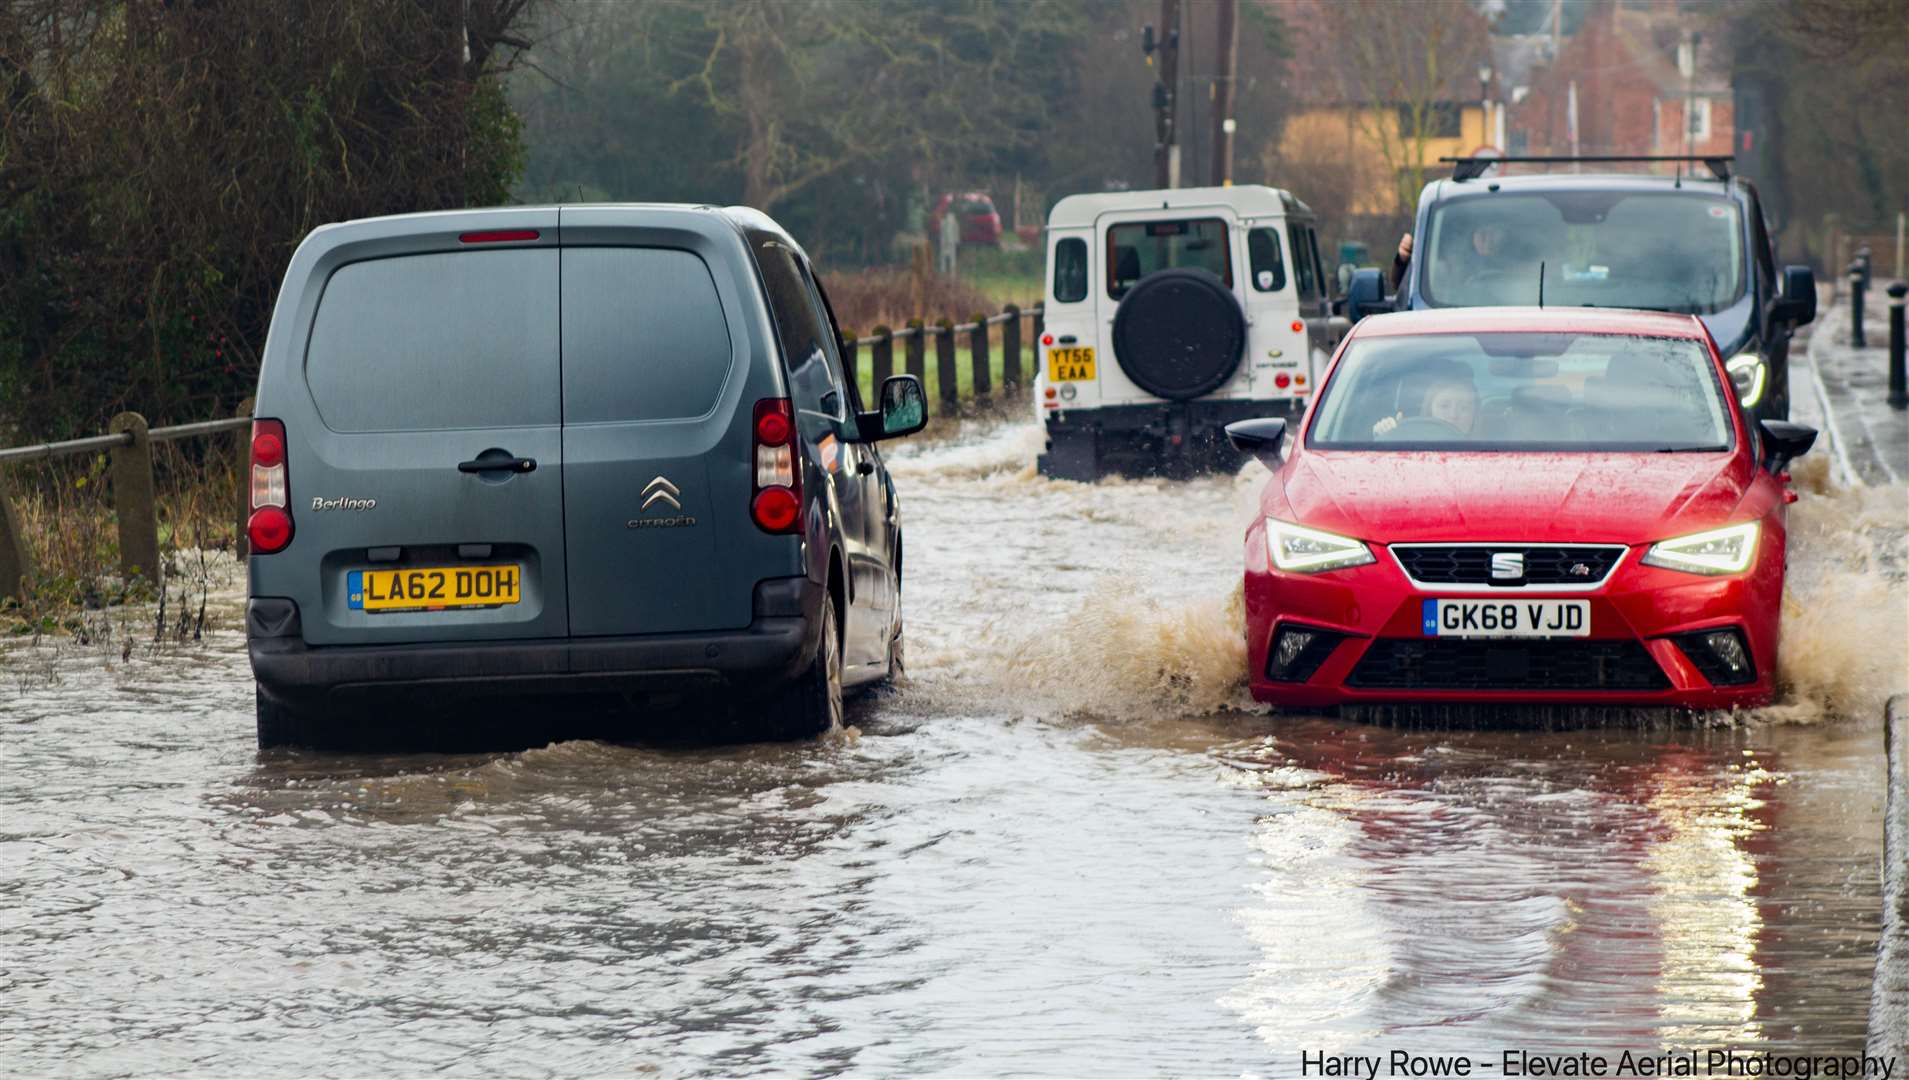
pixel 1069 846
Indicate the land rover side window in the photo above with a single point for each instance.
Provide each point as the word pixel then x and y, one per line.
pixel 1138 248
pixel 1070 270
pixel 437 342
pixel 644 336
pixel 799 328
pixel 1269 269
pixel 1302 264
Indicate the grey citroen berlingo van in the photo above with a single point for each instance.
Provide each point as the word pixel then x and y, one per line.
pixel 607 450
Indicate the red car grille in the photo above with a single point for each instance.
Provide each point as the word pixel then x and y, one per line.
pixel 1466 564
pixel 1434 664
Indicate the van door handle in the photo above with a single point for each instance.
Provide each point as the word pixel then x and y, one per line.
pixel 484 465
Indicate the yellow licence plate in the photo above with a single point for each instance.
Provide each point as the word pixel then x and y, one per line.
pixel 434 588
pixel 1070 365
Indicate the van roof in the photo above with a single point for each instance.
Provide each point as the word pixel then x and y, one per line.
pixel 1252 200
pixel 740 217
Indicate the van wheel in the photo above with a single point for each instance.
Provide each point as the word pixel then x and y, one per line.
pixel 280 727
pixel 812 704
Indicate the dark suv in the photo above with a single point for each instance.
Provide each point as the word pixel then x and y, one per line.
pixel 1695 244
pixel 604 450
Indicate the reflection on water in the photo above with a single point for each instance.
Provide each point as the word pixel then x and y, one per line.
pixel 1068 847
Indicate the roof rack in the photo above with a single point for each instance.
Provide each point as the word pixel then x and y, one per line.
pixel 1471 168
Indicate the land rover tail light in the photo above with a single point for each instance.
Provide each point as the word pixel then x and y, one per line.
pixel 776 504
pixel 269 526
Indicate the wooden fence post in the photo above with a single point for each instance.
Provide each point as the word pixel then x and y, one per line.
pixel 851 358
pixel 1011 348
pixel 945 372
pixel 917 355
pixel 978 354
pixel 133 500
pixel 16 559
pixel 883 358
pixel 241 542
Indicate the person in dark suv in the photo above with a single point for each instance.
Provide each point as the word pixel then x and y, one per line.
pixel 1686 243
pixel 605 450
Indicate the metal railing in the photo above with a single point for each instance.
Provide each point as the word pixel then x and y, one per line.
pixel 129 441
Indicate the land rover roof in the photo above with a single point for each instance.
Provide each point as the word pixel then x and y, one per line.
pixel 1250 200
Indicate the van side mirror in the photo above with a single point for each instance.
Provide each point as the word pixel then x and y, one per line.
pixel 1797 305
pixel 1261 438
pixel 1366 295
pixel 1784 442
pixel 904 411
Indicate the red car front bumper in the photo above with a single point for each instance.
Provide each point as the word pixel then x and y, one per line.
pixel 1385 656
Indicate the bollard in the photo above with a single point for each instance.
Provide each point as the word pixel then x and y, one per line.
pixel 242 453
pixel 1011 348
pixel 978 356
pixel 1856 305
pixel 133 500
pixel 917 351
pixel 1898 377
pixel 16 560
pixel 883 357
pixel 945 373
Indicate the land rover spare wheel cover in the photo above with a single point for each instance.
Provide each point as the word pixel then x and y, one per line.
pixel 1179 334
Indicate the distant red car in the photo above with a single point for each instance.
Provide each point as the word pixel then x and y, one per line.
pixel 980 224
pixel 1557 506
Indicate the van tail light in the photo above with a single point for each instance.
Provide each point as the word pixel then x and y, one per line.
pixel 269 526
pixel 776 504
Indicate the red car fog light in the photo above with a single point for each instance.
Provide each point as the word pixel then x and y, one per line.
pixel 1721 655
pixel 1298 651
pixel 775 509
pixel 269 530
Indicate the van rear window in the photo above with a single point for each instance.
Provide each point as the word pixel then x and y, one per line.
pixel 644 337
pixel 438 342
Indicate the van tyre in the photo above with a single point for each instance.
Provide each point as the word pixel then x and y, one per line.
pixel 281 727
pixel 812 704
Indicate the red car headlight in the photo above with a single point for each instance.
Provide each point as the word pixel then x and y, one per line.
pixel 1300 550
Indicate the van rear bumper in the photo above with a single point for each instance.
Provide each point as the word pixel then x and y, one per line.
pixel 778 644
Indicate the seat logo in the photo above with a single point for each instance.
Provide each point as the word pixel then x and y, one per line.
pixel 660 490
pixel 1507 565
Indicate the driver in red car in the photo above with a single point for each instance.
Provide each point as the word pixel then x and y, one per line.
pixel 1451 399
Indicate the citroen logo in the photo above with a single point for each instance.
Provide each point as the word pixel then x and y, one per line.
pixel 661 490
pixel 1507 565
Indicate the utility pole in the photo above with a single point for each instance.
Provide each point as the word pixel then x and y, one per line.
pixel 1228 58
pixel 1166 144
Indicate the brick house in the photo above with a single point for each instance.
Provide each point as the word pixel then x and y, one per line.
pixel 1626 83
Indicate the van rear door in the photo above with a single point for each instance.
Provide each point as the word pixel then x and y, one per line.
pixel 427 495
pixel 657 450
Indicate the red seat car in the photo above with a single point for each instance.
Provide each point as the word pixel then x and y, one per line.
pixel 980 222
pixel 1560 506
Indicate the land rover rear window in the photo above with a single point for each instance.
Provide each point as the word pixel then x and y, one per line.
pixel 1070 270
pixel 644 336
pixel 1138 248
pixel 438 342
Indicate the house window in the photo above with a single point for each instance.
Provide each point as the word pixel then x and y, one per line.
pixel 1700 118
pixel 1441 120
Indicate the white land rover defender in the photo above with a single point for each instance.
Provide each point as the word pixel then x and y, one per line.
pixel 1171 314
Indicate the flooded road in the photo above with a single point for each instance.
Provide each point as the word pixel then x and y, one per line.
pixel 1070 845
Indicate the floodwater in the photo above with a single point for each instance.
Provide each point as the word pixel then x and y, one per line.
pixel 1070 845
